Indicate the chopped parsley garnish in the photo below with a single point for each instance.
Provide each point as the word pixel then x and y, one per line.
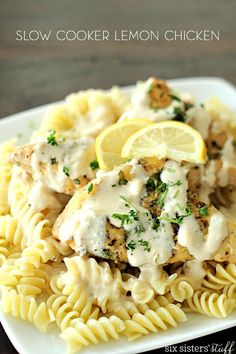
pixel 138 229
pixel 203 211
pixel 124 218
pixel 131 245
pixel 90 187
pixel 202 105
pixel 178 219
pixel 171 170
pixel 172 184
pixel 161 199
pixel 145 245
pixel 105 253
pixel 66 171
pixel 151 87
pixel 53 160
pixel 113 185
pixel 122 180
pixel 176 194
pixel 179 114
pixel 156 224
pixel 155 184
pixel 130 217
pixel 174 97
pixel 51 139
pixel 94 165
pixel 76 181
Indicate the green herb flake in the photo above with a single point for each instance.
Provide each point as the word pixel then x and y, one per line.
pixel 51 139
pixel 203 211
pixel 171 170
pixel 94 165
pixel 180 115
pixel 105 253
pixel 178 219
pixel 202 105
pixel 172 184
pixel 174 97
pixel 113 185
pixel 66 171
pixel 90 187
pixel 53 160
pixel 176 194
pixel 124 218
pixel 131 245
pixel 145 245
pixel 150 89
pixel 139 229
pixel 76 181
pixel 122 180
pixel 156 224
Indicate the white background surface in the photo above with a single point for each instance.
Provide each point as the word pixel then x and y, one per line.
pixel 26 338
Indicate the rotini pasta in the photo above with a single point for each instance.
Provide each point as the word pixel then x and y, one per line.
pixel 220 276
pixel 5 175
pixel 152 321
pixel 26 308
pixel 91 332
pixel 211 304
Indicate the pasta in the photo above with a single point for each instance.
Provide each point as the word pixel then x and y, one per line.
pixel 26 309
pixel 211 304
pixel 151 321
pixel 220 276
pixel 93 331
pixel 104 249
pixel 5 175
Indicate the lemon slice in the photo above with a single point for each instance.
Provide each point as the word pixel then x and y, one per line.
pixel 111 140
pixel 169 139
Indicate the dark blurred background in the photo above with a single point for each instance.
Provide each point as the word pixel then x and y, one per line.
pixel 34 73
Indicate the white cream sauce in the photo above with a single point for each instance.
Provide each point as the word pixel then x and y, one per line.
pixel 149 246
pixel 42 198
pixel 96 278
pixel 191 237
pixel 208 179
pixel 199 119
pixel 140 105
pixel 75 155
pixel 194 269
pixel 228 157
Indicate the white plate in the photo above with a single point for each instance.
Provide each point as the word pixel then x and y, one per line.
pixel 26 338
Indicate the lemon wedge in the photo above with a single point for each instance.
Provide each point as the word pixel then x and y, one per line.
pixel 168 139
pixel 110 141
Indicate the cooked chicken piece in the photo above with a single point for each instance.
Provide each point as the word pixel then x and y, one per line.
pixel 115 241
pixel 63 166
pixel 216 139
pixel 159 94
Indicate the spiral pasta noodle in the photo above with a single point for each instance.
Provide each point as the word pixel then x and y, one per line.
pixel 210 304
pixel 152 321
pixel 219 277
pixel 181 289
pixel 5 175
pixel 26 308
pixel 93 331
